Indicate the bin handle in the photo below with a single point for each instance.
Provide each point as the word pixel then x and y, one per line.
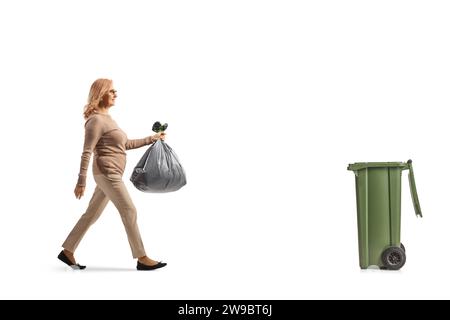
pixel 412 188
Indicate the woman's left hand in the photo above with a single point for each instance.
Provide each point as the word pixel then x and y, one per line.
pixel 159 136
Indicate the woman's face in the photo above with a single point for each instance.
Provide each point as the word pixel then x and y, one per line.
pixel 110 97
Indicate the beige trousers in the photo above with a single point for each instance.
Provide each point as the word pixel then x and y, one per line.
pixel 109 187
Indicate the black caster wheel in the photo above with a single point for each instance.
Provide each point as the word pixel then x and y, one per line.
pixel 403 247
pixel 393 258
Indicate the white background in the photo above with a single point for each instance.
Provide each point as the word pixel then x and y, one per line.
pixel 267 103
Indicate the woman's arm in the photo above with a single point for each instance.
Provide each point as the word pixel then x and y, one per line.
pixel 137 143
pixel 93 132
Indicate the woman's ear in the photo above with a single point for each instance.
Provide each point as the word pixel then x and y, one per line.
pixel 101 103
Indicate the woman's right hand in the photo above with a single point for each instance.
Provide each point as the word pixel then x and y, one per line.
pixel 79 191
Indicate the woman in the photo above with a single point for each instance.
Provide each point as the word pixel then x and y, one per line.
pixel 108 142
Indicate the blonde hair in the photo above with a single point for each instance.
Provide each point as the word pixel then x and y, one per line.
pixel 98 89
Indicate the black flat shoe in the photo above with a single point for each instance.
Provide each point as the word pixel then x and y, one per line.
pixel 63 258
pixel 141 266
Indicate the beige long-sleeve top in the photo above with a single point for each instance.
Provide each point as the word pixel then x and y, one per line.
pixel 109 143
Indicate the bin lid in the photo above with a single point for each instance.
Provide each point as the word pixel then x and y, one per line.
pixel 363 165
pixel 403 165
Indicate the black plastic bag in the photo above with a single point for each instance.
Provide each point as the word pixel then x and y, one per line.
pixel 159 170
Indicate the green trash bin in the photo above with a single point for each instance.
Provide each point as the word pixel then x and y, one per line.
pixel 378 200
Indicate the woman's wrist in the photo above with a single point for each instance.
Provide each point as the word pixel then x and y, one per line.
pixel 81 180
